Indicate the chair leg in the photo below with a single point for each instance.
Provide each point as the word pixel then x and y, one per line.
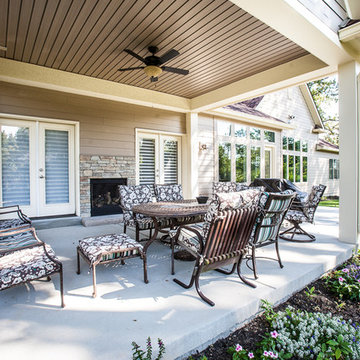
pixel 143 256
pixel 124 229
pixel 62 287
pixel 94 280
pixel 78 261
pixel 296 229
pixel 278 253
pixel 241 276
pixel 253 260
pixel 137 233
pixel 172 242
pixel 197 286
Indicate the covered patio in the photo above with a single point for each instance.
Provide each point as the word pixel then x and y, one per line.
pixel 127 309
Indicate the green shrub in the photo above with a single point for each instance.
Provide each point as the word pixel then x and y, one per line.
pixel 139 354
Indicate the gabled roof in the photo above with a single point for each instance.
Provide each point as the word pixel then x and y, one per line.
pixel 249 107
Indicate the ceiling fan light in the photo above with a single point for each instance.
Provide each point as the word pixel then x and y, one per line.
pixel 152 71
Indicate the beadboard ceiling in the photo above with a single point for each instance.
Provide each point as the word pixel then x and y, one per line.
pixel 218 42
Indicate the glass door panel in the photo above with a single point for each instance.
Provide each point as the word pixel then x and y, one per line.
pixel 170 160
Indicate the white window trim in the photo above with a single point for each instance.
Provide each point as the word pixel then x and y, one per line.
pixel 37 120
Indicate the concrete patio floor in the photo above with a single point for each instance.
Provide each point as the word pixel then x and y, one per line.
pixel 33 326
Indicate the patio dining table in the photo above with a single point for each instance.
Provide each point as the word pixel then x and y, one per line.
pixel 177 212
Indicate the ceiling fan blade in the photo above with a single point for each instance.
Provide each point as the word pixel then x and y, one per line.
pixel 130 52
pixel 168 56
pixel 175 70
pixel 133 68
pixel 153 79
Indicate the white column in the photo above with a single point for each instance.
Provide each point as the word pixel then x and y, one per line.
pixel 349 152
pixel 192 159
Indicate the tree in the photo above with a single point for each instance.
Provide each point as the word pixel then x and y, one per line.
pixel 325 93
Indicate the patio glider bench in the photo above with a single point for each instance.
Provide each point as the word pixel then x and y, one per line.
pixel 108 248
pixel 24 258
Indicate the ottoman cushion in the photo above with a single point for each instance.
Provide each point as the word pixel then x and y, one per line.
pixel 119 244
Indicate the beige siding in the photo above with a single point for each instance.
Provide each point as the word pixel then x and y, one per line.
pixel 291 102
pixel 106 127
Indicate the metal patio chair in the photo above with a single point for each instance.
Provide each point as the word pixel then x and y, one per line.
pixel 20 221
pixel 274 207
pixel 302 213
pixel 222 240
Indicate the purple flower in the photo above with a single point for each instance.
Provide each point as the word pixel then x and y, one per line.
pixel 341 279
pixel 238 348
pixel 274 334
pixel 251 355
pixel 345 270
pixel 266 354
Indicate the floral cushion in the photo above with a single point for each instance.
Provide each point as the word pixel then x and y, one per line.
pixel 168 192
pixel 131 196
pixel 28 264
pixel 227 201
pixel 297 216
pixel 119 244
pixel 188 238
pixel 224 187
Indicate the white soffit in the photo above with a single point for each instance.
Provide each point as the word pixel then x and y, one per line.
pixel 293 20
pixel 350 38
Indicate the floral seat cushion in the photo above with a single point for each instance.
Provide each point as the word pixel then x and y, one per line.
pixel 28 264
pixel 171 192
pixel 120 245
pixel 294 215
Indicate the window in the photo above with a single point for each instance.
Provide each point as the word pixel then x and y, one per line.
pixel 285 167
pixel 291 167
pixel 290 144
pixel 334 169
pixel 225 162
pixel 255 134
pixel 297 169
pixel 255 162
pixel 284 143
pixel 297 145
pixel 240 131
pixel 304 146
pixel 304 168
pixel 158 159
pixel 241 173
pixel 269 136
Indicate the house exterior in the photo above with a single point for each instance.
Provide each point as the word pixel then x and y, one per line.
pixel 69 118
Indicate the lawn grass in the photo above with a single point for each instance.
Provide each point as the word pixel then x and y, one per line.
pixel 330 203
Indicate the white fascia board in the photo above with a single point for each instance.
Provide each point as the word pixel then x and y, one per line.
pixel 293 20
pixel 250 119
pixel 326 149
pixel 350 38
pixel 292 73
pixel 311 105
pixel 38 76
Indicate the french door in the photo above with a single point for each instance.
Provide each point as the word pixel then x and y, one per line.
pixel 158 159
pixel 37 167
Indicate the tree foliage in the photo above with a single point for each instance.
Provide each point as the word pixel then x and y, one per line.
pixel 325 93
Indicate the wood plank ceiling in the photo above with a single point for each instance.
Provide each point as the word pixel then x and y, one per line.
pixel 218 42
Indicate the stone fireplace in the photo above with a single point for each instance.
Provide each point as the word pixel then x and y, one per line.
pixel 97 167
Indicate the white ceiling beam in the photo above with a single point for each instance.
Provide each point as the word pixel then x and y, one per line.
pixel 38 76
pixel 297 23
pixel 292 73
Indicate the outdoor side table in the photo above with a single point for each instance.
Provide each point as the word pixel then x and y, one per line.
pixel 108 248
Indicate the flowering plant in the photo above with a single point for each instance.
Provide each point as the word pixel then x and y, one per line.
pixel 345 282
pixel 139 354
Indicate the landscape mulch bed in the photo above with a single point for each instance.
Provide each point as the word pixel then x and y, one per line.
pixel 321 301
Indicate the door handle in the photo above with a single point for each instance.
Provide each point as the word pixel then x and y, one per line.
pixel 42 177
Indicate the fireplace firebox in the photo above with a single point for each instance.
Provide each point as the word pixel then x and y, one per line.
pixel 104 196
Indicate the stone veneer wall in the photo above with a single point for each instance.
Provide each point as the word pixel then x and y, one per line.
pixel 99 167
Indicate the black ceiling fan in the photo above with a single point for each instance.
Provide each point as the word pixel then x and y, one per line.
pixel 154 64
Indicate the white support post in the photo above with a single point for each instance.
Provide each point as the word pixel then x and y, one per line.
pixel 349 152
pixel 191 168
